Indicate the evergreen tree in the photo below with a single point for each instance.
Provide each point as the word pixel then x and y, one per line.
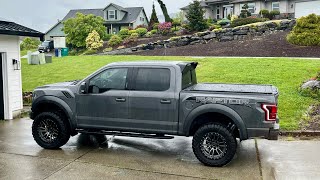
pixel 165 11
pixel 195 15
pixel 244 11
pixel 154 18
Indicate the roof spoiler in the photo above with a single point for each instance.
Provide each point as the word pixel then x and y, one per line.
pixel 187 66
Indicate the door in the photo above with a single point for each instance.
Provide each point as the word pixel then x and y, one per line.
pixel 306 8
pixel 105 104
pixel 152 104
pixel 1 89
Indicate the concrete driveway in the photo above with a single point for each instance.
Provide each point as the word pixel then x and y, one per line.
pixel 133 158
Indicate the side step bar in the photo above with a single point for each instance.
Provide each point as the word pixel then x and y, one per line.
pixel 116 133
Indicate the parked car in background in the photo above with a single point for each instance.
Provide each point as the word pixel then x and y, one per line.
pixel 46 46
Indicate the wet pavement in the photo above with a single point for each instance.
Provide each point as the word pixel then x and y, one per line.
pixel 135 158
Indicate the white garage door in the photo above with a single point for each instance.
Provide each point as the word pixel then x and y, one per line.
pixel 306 8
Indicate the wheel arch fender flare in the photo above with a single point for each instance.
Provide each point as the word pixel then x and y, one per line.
pixel 216 108
pixel 59 103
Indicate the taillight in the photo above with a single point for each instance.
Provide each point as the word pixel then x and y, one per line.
pixel 270 111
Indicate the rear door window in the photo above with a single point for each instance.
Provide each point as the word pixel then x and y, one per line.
pixel 152 79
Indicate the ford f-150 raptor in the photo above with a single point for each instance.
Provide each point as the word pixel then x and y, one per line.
pixel 153 99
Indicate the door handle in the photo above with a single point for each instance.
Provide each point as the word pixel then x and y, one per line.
pixel 120 99
pixel 165 101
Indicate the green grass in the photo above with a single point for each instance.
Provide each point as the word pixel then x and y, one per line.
pixel 285 73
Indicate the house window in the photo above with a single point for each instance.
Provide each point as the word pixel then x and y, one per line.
pixel 218 12
pixel 111 14
pixel 252 7
pixel 275 6
pixel 141 19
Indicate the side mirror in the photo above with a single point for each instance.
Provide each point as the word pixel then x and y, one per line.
pixel 83 87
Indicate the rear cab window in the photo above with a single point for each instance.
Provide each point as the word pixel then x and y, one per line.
pixel 189 78
pixel 152 79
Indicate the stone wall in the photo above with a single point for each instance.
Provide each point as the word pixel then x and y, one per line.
pixel 220 35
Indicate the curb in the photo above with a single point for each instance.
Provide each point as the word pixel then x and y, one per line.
pixel 299 133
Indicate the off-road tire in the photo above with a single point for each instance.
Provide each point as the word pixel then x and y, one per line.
pixel 62 128
pixel 221 131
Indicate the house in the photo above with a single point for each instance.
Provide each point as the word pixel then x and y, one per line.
pixel 11 102
pixel 115 16
pixel 219 9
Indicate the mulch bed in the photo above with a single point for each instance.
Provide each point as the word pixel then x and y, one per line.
pixel 273 45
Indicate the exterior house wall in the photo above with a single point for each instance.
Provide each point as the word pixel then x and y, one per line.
pixel 55 32
pixel 12 83
pixel 138 22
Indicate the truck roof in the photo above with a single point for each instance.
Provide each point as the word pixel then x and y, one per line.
pixel 180 64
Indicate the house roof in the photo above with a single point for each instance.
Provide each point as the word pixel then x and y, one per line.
pixel 59 22
pixel 202 4
pixel 116 6
pixel 11 28
pixel 131 14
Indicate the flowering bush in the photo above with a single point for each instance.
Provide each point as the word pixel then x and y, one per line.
pixel 165 28
pixel 115 41
pixel 93 41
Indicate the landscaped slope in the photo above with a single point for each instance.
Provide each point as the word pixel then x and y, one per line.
pixel 285 73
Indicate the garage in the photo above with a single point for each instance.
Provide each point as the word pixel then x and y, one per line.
pixel 11 102
pixel 306 8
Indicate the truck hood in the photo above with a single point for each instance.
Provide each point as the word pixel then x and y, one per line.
pixel 235 88
pixel 59 85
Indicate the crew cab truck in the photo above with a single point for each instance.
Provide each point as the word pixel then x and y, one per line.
pixel 151 99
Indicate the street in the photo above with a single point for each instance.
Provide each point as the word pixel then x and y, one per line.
pixel 134 158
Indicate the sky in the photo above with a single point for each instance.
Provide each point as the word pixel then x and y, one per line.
pixel 41 15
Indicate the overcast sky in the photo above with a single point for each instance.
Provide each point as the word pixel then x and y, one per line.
pixel 43 14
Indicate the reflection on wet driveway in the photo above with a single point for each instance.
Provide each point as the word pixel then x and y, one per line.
pixel 101 157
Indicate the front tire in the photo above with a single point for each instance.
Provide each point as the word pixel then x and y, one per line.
pixel 50 131
pixel 214 145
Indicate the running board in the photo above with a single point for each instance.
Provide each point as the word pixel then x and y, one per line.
pixel 139 135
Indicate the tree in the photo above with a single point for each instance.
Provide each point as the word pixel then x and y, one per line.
pixel 93 41
pixel 195 15
pixel 77 29
pixel 29 44
pixel 165 11
pixel 244 11
pixel 154 18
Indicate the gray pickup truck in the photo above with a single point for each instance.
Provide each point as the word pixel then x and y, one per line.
pixel 156 100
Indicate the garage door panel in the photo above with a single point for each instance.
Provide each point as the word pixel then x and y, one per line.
pixel 306 8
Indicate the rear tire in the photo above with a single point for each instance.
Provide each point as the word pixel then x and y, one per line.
pixel 214 145
pixel 50 131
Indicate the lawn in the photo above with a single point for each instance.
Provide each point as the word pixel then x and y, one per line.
pixel 285 73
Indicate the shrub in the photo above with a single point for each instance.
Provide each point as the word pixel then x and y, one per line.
pixel 134 35
pixel 93 41
pixel 176 22
pixel 215 26
pixel 244 21
pixel 223 22
pixel 130 39
pixel 234 17
pixel 149 34
pixel 264 13
pixel 141 31
pixel 273 14
pixel 244 11
pixel 29 43
pixel 115 41
pixel 306 32
pixel 124 33
pixel 156 26
pixel 165 28
pixel 89 52
pixel 107 37
pixel 154 31
pixel 141 26
pixel 132 31
pixel 108 49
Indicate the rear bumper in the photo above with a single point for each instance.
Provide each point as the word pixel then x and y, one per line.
pixel 267 133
